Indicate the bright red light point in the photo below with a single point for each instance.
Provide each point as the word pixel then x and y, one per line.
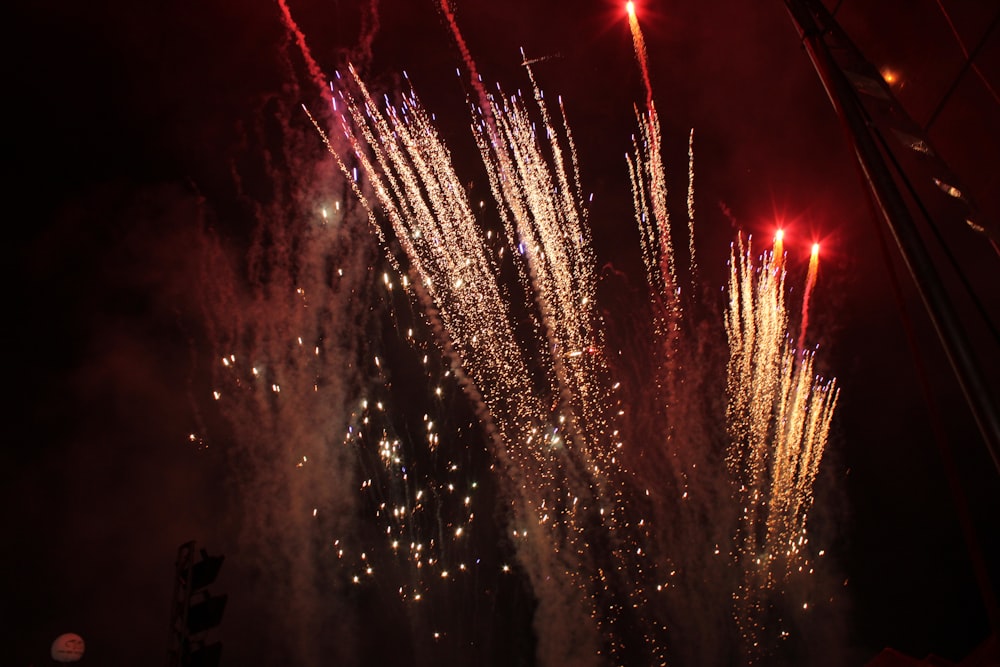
pixel 779 235
pixel 815 249
pixel 630 8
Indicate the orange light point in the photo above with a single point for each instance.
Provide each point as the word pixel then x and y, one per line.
pixel 630 8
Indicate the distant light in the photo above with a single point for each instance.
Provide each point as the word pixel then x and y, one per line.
pixel 68 647
pixel 630 8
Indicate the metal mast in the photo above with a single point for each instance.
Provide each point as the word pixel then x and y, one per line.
pixel 890 149
pixel 876 124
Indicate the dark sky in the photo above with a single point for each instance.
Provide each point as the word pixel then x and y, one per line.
pixel 137 126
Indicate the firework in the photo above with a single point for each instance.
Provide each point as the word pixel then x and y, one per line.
pixel 810 284
pixel 779 418
pixel 618 541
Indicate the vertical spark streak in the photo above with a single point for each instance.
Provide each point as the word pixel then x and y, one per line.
pixel 810 284
pixel 690 210
pixel 649 190
pixel 639 45
pixel 649 194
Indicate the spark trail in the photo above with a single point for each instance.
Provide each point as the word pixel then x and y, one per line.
pixel 649 193
pixel 810 284
pixel 483 98
pixel 690 210
pixel 640 51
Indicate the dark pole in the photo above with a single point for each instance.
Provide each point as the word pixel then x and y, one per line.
pixel 897 216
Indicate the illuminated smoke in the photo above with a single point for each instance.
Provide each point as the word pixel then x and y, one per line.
pixel 286 312
pixel 316 75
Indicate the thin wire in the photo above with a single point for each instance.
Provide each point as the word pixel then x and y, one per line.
pixel 969 63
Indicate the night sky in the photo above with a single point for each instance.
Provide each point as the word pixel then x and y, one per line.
pixel 150 140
